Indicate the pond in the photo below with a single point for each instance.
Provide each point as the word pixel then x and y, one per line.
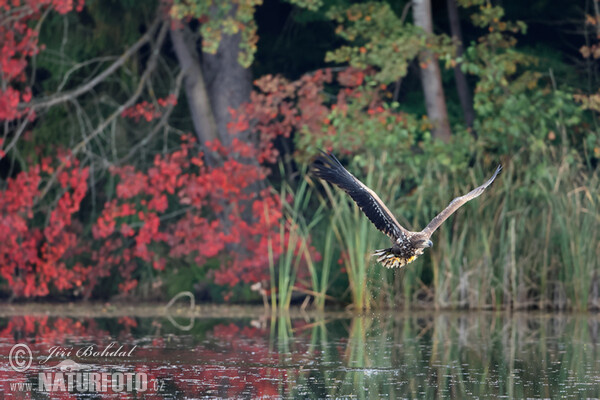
pixel 126 352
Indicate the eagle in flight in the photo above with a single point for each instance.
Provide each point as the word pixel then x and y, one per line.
pixel 407 245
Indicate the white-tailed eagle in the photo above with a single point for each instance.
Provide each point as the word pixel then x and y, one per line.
pixel 407 245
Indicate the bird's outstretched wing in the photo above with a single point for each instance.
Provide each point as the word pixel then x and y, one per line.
pixel 457 203
pixel 327 167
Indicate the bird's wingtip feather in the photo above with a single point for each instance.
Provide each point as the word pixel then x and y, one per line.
pixel 498 170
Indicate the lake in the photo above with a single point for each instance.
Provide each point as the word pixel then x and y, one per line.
pixel 122 351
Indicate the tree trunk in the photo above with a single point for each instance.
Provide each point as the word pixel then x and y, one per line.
pixel 214 84
pixel 228 83
pixel 195 89
pixel 431 77
pixel 464 93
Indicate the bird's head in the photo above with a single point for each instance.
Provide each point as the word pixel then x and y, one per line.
pixel 421 242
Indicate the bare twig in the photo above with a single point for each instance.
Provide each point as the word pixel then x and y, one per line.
pixel 20 131
pixel 405 11
pixel 60 98
pixel 145 76
pixel 159 125
pixel 14 14
pixel 81 65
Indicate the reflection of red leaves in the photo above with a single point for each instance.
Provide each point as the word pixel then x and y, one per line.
pixel 226 331
pixel 255 370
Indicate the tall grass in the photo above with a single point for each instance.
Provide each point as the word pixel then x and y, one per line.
pixel 299 224
pixel 532 240
pixel 577 230
pixel 528 241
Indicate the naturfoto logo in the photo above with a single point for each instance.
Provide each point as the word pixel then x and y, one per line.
pixel 72 376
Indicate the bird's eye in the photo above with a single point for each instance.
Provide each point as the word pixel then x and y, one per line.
pixel 425 243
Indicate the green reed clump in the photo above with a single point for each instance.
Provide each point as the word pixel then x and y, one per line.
pixel 472 255
pixel 293 246
pixel 299 223
pixel 531 240
pixel 575 206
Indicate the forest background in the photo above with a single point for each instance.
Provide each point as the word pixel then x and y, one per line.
pixel 158 147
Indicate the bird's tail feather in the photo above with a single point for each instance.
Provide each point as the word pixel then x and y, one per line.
pixel 388 259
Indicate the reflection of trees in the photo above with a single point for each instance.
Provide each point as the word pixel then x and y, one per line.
pixel 406 355
pixel 461 356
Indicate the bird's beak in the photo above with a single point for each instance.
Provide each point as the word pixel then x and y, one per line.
pixel 427 243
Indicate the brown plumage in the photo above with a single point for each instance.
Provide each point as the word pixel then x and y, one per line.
pixel 407 245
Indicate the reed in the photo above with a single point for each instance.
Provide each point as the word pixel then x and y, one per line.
pixel 576 212
pixel 531 241
pixel 296 231
pixel 291 250
pixel 520 245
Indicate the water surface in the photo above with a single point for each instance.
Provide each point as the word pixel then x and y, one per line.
pixel 250 354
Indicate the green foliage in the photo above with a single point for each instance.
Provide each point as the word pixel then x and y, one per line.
pixel 589 139
pixel 490 17
pixel 575 207
pixel 509 95
pixel 220 18
pixel 532 239
pixel 312 5
pixel 230 17
pixel 184 277
pixel 379 38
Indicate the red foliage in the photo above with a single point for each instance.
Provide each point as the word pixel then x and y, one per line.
pixel 174 209
pixel 33 258
pixel 131 225
pixel 351 77
pixel 147 110
pixel 18 43
pixel 135 227
pixel 279 107
pixel 179 208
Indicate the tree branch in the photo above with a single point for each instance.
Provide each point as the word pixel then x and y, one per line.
pixel 131 101
pixel 21 129
pixel 159 125
pixel 60 98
